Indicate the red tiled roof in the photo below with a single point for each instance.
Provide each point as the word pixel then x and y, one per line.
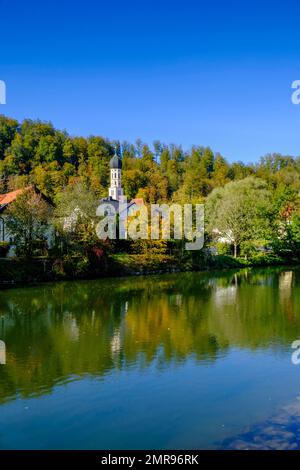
pixel 12 196
pixel 139 201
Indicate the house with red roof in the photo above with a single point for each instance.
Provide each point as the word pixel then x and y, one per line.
pixel 5 201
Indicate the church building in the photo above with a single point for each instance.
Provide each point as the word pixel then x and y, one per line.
pixel 116 192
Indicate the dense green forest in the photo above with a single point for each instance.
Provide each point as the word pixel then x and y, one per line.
pixel 34 151
pixel 256 203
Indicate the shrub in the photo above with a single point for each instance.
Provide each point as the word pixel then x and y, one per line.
pixel 4 249
pixel 224 248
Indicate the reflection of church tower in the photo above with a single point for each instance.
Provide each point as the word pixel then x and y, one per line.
pixel 116 190
pixel 286 281
pixel 2 353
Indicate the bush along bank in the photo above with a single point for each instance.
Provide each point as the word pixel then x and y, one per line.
pixel 30 271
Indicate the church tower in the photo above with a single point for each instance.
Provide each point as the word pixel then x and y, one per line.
pixel 116 190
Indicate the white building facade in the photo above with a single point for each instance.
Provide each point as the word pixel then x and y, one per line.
pixel 115 190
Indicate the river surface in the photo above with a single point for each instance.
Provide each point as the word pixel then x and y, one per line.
pixel 194 360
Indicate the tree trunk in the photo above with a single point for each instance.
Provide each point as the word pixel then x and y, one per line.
pixel 235 250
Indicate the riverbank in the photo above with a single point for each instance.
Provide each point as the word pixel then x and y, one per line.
pixel 26 272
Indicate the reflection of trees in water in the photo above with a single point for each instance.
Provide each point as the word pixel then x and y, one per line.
pixel 60 331
pixel 253 313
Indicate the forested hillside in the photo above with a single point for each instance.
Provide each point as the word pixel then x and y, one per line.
pixel 36 152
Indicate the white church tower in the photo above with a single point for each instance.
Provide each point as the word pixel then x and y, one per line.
pixel 116 190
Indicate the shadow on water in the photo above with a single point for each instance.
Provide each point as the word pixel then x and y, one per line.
pixel 279 432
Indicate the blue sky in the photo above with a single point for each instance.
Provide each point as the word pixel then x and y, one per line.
pixel 187 72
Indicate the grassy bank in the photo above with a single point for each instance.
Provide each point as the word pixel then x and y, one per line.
pixel 20 271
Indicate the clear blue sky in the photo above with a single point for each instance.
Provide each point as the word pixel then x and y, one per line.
pixel 188 72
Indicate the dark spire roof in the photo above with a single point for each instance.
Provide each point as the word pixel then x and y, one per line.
pixel 115 162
